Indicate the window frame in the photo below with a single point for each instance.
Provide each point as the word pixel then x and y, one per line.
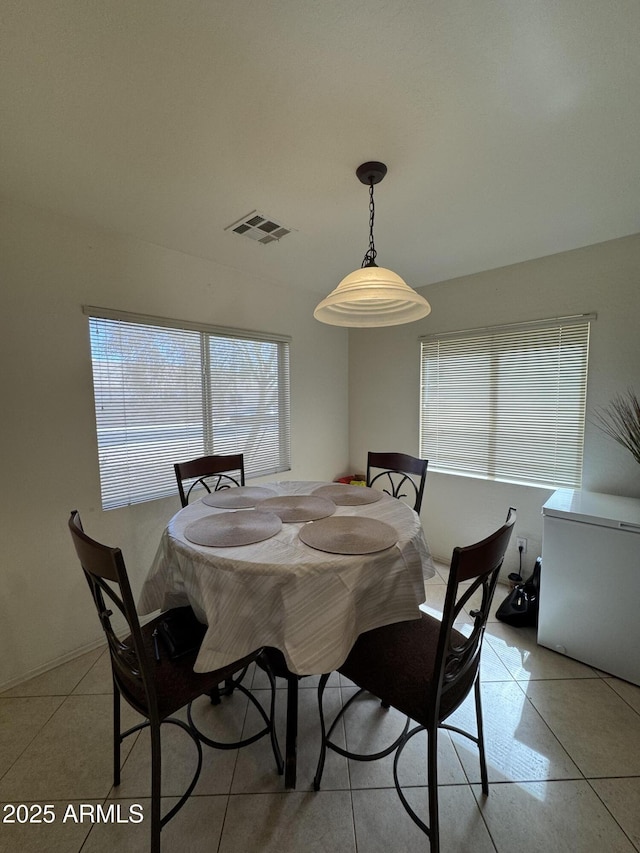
pixel 479 395
pixel 203 350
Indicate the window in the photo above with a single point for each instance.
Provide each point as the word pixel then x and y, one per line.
pixel 507 403
pixel 166 393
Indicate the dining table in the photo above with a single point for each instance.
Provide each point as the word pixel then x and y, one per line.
pixel 302 567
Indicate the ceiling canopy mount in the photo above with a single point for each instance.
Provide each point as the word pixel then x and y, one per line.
pixel 371 173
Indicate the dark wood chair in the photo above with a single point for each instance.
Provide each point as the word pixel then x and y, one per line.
pixel 402 476
pixel 211 472
pixel 155 685
pixel 425 668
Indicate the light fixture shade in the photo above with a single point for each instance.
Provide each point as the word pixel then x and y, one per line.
pixel 372 296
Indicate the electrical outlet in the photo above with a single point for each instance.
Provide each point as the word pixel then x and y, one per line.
pixel 522 542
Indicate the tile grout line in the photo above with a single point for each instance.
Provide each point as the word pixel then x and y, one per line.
pixel 607 678
pixel 36 734
pixel 608 810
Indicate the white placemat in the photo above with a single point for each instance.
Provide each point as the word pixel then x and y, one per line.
pixel 229 529
pixel 240 497
pixel 297 508
pixel 349 534
pixel 344 494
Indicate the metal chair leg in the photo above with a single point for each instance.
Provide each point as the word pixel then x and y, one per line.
pixel 480 726
pixel 291 744
pixel 323 734
pixel 430 831
pixel 432 782
pixel 117 738
pixel 214 695
pixel 327 743
pixel 156 790
pixel 275 746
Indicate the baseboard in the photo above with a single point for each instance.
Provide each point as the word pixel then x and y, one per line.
pixel 120 630
pixel 76 653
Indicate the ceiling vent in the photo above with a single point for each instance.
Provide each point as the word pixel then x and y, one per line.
pixel 260 228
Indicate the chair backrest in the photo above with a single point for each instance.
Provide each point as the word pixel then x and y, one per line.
pixel 106 575
pixel 403 476
pixel 212 472
pixel 477 568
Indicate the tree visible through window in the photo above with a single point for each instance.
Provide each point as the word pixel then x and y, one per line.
pixel 165 394
pixel 507 403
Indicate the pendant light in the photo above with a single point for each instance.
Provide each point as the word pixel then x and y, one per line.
pixel 372 295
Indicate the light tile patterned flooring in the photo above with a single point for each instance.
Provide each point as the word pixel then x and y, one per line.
pixel 563 744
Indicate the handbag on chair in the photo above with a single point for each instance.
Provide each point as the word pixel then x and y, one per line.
pixel 180 632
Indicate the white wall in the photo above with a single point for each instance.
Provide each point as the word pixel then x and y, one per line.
pixel 384 381
pixel 49 267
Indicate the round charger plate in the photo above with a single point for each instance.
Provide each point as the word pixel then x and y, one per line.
pixel 297 508
pixel 345 495
pixel 240 497
pixel 349 534
pixel 229 529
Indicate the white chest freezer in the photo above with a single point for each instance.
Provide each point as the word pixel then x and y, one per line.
pixel 590 580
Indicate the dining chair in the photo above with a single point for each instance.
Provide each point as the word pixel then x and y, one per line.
pixel 402 476
pixel 153 683
pixel 425 668
pixel 211 472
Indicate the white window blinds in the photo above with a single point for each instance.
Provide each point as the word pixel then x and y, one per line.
pixel 507 403
pixel 165 394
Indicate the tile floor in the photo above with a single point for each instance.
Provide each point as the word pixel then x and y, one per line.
pixel 563 744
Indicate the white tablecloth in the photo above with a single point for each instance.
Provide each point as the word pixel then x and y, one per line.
pixel 280 592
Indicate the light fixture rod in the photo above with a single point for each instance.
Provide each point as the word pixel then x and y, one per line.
pixel 371 173
pixel 369 259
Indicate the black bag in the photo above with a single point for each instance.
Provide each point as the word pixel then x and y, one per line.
pixel 180 632
pixel 520 607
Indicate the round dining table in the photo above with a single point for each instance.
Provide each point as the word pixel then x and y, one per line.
pixel 307 600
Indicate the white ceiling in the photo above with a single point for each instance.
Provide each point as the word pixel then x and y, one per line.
pixel 510 127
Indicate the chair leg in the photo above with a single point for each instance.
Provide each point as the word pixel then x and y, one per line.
pixel 432 830
pixel 323 733
pixel 291 744
pixel 480 726
pixel 156 786
pixel 214 695
pixel 432 782
pixel 116 735
pixel 275 746
pixel 230 685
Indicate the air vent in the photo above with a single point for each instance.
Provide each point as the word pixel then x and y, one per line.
pixel 262 229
